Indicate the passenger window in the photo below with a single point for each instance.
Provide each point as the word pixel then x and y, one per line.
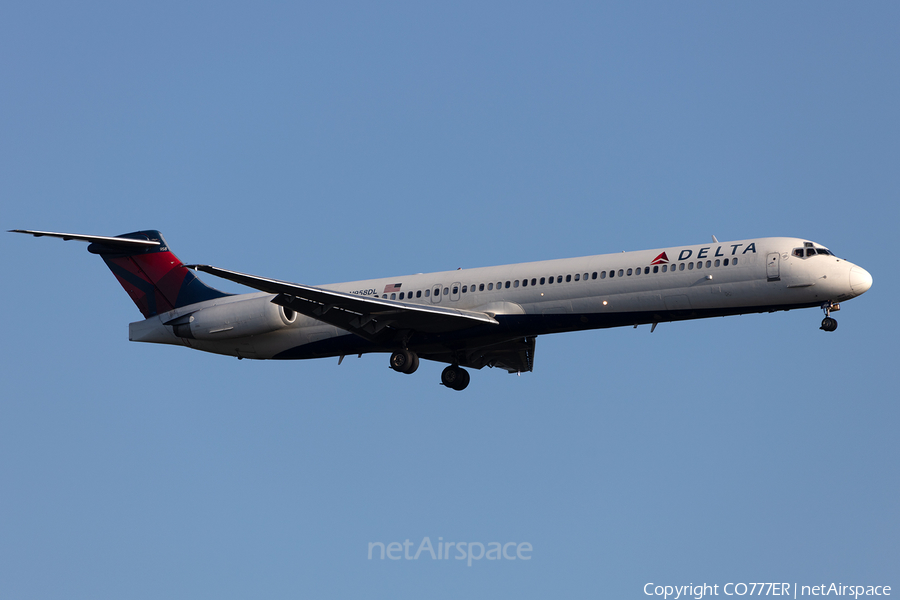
pixel 717 262
pixel 559 279
pixel 393 296
pixel 490 286
pixel 515 283
pixel 681 267
pixel 455 290
pixel 621 272
pixel 427 293
pixel 480 287
pixel 594 275
pixel 628 272
pixel 384 296
pixel 549 280
pixel 533 281
pixel 691 266
pixel 602 274
pixel 577 277
pixel 419 294
pixel 524 283
pixel 699 264
pixel 401 295
pixel 612 273
pixel 725 262
pixel 585 277
pixel 568 278
pixel 656 269
pixel 542 281
pixel 733 261
pixel 465 287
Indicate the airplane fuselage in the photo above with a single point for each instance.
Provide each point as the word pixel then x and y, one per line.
pixel 531 299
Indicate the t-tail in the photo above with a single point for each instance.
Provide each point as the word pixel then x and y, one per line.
pixel 156 279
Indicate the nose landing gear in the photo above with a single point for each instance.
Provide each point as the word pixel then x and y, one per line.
pixel 829 324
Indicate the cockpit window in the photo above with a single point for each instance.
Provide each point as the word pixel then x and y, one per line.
pixel 798 252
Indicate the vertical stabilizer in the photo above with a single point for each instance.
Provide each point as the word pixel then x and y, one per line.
pixel 156 279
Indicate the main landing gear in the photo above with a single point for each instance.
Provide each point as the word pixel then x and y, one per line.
pixel 454 377
pixel 405 361
pixel 829 324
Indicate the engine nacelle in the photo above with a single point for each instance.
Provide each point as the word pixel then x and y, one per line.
pixel 234 320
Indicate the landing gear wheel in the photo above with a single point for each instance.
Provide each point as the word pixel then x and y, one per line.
pixel 455 378
pixel 404 361
pixel 829 324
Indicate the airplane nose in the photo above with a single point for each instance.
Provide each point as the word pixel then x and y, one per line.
pixel 860 280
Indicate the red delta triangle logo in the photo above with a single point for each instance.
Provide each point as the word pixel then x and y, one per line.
pixel 661 259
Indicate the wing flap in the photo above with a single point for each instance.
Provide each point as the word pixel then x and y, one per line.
pixel 363 315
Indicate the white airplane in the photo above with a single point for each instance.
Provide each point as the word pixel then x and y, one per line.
pixel 472 318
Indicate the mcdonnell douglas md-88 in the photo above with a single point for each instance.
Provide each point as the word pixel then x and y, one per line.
pixel 473 318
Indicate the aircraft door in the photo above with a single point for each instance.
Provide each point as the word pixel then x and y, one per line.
pixel 454 291
pixel 436 294
pixel 773 272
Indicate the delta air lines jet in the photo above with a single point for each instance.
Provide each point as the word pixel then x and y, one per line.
pixel 471 318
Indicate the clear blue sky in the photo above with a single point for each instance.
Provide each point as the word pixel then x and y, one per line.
pixel 329 144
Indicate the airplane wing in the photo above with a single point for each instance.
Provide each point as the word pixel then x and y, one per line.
pixel 515 356
pixel 365 316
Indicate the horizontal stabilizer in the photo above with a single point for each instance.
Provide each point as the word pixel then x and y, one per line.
pixel 99 239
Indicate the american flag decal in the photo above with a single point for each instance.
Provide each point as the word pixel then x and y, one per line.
pixel 393 287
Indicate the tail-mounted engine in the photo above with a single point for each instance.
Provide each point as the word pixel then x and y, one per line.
pixel 232 320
